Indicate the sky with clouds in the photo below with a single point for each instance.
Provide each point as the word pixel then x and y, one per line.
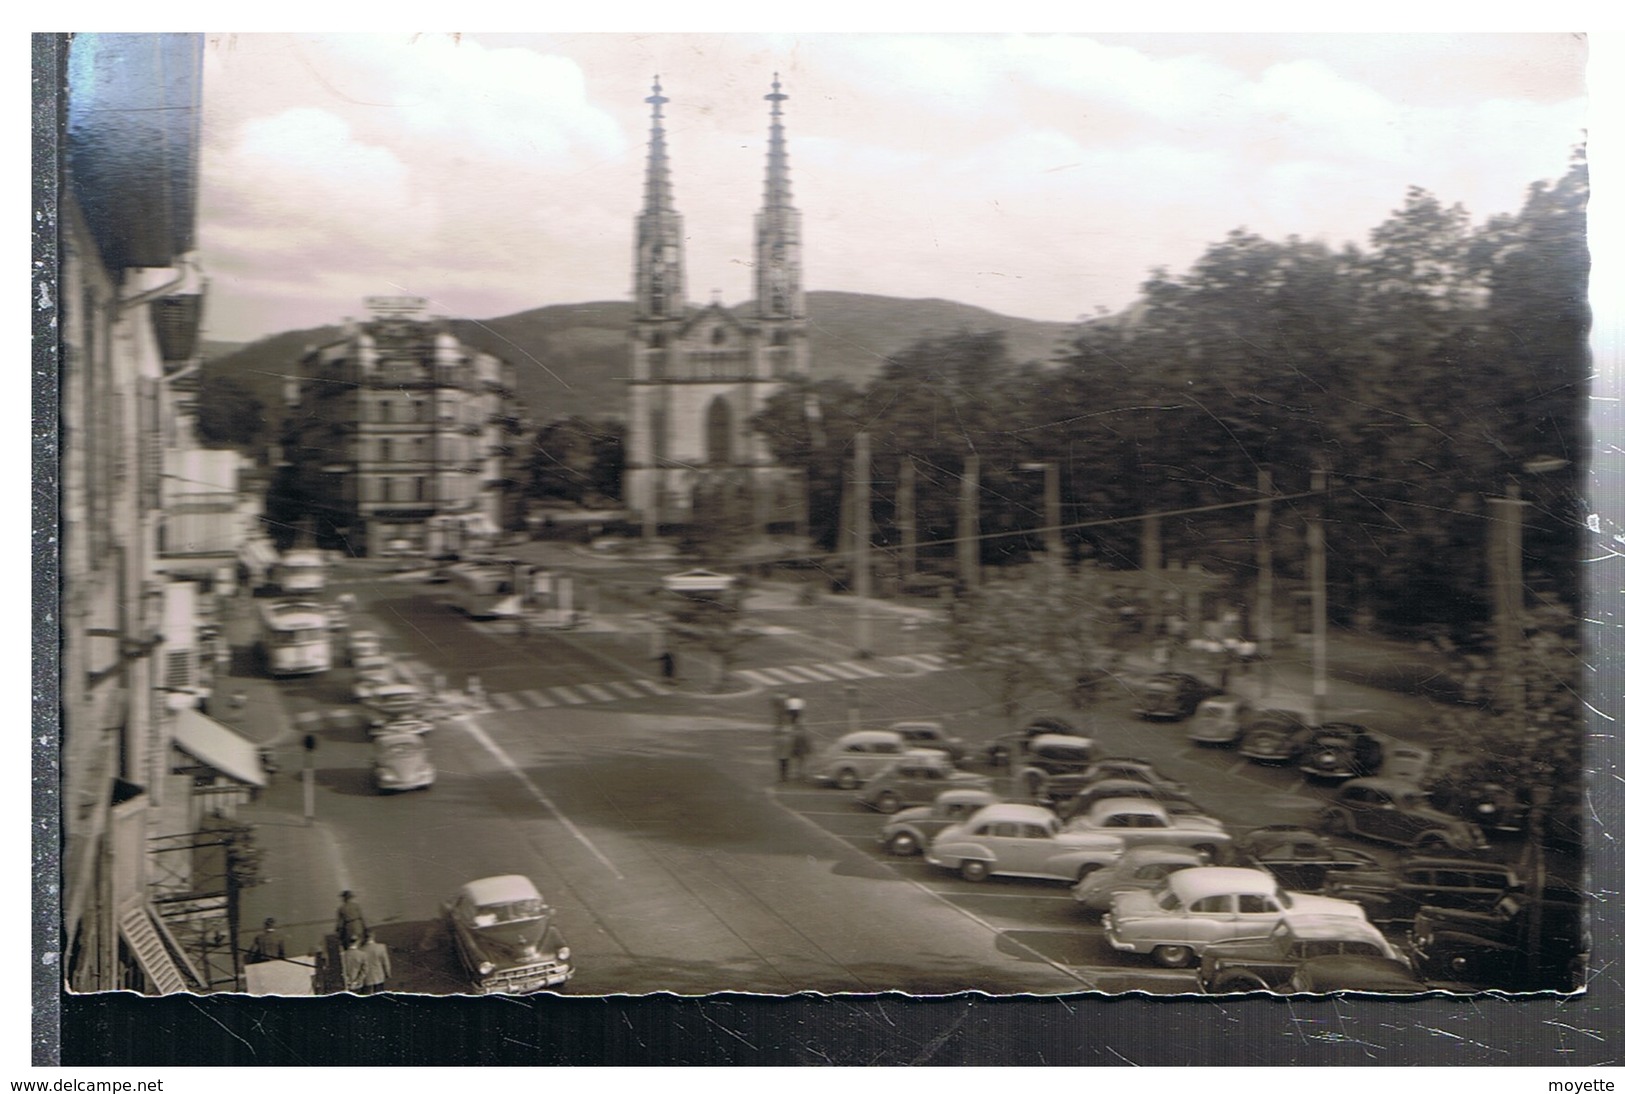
pixel 1040 176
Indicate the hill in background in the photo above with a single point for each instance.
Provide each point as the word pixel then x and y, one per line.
pixel 572 358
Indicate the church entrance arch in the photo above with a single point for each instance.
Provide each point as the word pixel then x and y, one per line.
pixel 719 421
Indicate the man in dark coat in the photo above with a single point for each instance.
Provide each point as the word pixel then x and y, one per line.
pixel 268 945
pixel 350 921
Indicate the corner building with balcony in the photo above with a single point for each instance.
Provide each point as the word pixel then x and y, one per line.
pixel 699 375
pixel 398 431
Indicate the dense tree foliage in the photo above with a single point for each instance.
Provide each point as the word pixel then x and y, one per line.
pixel 228 413
pixel 578 460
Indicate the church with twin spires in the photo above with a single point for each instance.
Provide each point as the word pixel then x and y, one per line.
pixel 700 374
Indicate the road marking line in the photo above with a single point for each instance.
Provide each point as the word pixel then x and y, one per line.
pixel 537 699
pixel 507 700
pixel 566 696
pixel 602 695
pixel 932 660
pixel 755 677
pixel 651 687
pixel 861 670
pixel 627 690
pixel 903 660
pixel 782 676
pixel 844 674
pixel 810 672
pixel 536 792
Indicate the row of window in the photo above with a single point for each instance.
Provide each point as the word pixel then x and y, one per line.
pixel 451 450
pixel 453 412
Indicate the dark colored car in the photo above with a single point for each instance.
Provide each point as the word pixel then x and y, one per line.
pixel 1174 802
pixel 1006 748
pixel 1355 972
pixel 1054 766
pixel 1505 947
pixel 504 934
pixel 1130 767
pixel 1303 861
pixel 1274 737
pixel 916 778
pixel 1396 811
pixel 1172 695
pixel 1340 750
pixel 1267 963
pixel 1492 806
pixel 929 735
pixel 1395 896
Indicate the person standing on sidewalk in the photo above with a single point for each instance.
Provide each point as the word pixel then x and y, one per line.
pixel 793 707
pixel 350 922
pixel 783 750
pixel 354 966
pixel 268 945
pixel 800 747
pixel 374 964
pixel 779 711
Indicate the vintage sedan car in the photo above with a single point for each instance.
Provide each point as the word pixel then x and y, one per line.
pixel 1301 860
pixel 1142 867
pixel 400 761
pixel 930 735
pixel 912 830
pixel 1355 972
pixel 505 936
pixel 1493 806
pixel 1395 896
pixel 1395 811
pixel 1002 750
pixel 1341 750
pixel 1195 908
pixel 364 643
pixel 387 702
pixel 1172 696
pixel 1274 737
pixel 854 758
pixel 371 672
pixel 916 778
pixel 1177 804
pixel 1018 840
pixel 1504 947
pixel 1267 964
pixel 1218 721
pixel 1129 767
pixel 1054 766
pixel 1137 821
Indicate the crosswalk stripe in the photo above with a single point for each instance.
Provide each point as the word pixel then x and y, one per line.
pixel 912 662
pixel 595 692
pixel 844 674
pixel 756 677
pixel 305 717
pixel 782 676
pixel 812 674
pixel 537 699
pixel 651 687
pixel 566 695
pixel 507 700
pixel 625 689
pixel 935 660
pixel 860 669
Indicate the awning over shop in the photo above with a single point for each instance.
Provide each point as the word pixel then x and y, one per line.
pixel 140 933
pixel 218 746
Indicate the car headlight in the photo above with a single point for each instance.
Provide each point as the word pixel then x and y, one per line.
pixel 1486 807
pixel 486 968
pixel 564 953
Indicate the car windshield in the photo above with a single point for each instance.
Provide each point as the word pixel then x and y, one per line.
pixel 1166 898
pixel 488 915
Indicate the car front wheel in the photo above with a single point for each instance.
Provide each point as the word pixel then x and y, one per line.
pixel 903 843
pixel 1173 957
pixel 973 870
pixel 888 802
pixel 1239 981
pixel 846 779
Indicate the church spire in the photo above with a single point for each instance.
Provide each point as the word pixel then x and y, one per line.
pixel 658 277
pixel 778 226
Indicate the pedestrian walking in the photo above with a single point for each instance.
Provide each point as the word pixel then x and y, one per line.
pixel 784 750
pixel 800 748
pixel 350 921
pixel 793 707
pixel 374 964
pixel 668 666
pixel 354 965
pixel 268 945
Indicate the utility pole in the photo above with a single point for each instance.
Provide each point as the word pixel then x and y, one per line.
pixel 1317 592
pixel 1052 512
pixel 860 545
pixel 1264 610
pixel 905 518
pixel 970 547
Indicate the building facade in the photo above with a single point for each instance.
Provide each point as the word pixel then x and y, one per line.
pixel 699 375
pixel 398 433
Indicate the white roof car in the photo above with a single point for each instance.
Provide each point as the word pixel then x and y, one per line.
pixel 1020 841
pixel 857 757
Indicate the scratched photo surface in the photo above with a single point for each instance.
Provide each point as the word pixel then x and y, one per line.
pixel 608 514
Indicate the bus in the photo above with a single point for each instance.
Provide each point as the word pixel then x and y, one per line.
pixel 488 589
pixel 301 572
pixel 295 639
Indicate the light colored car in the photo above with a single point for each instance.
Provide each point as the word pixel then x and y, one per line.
pixel 1138 821
pixel 853 759
pixel 1020 841
pixel 364 643
pixel 371 673
pixel 1218 720
pixel 912 830
pixel 1267 964
pixel 916 778
pixel 400 761
pixel 505 936
pixel 387 702
pixel 1142 867
pixel 1195 908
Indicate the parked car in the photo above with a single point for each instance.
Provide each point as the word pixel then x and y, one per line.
pixel 856 757
pixel 1142 867
pixel 1054 765
pixel 1136 821
pixel 1129 767
pixel 1172 696
pixel 1274 737
pixel 1395 896
pixel 1002 750
pixel 1020 841
pixel 916 778
pixel 387 702
pixel 912 830
pixel 1177 804
pixel 1493 806
pixel 1504 947
pixel 1192 909
pixel 1301 860
pixel 504 934
pixel 1219 719
pixel 930 735
pixel 363 643
pixel 1394 811
pixel 400 761
pixel 1341 750
pixel 1355 972
pixel 1267 964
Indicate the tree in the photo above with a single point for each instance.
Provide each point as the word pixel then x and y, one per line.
pixel 228 413
pixel 578 461
pixel 1031 637
pixel 714 623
